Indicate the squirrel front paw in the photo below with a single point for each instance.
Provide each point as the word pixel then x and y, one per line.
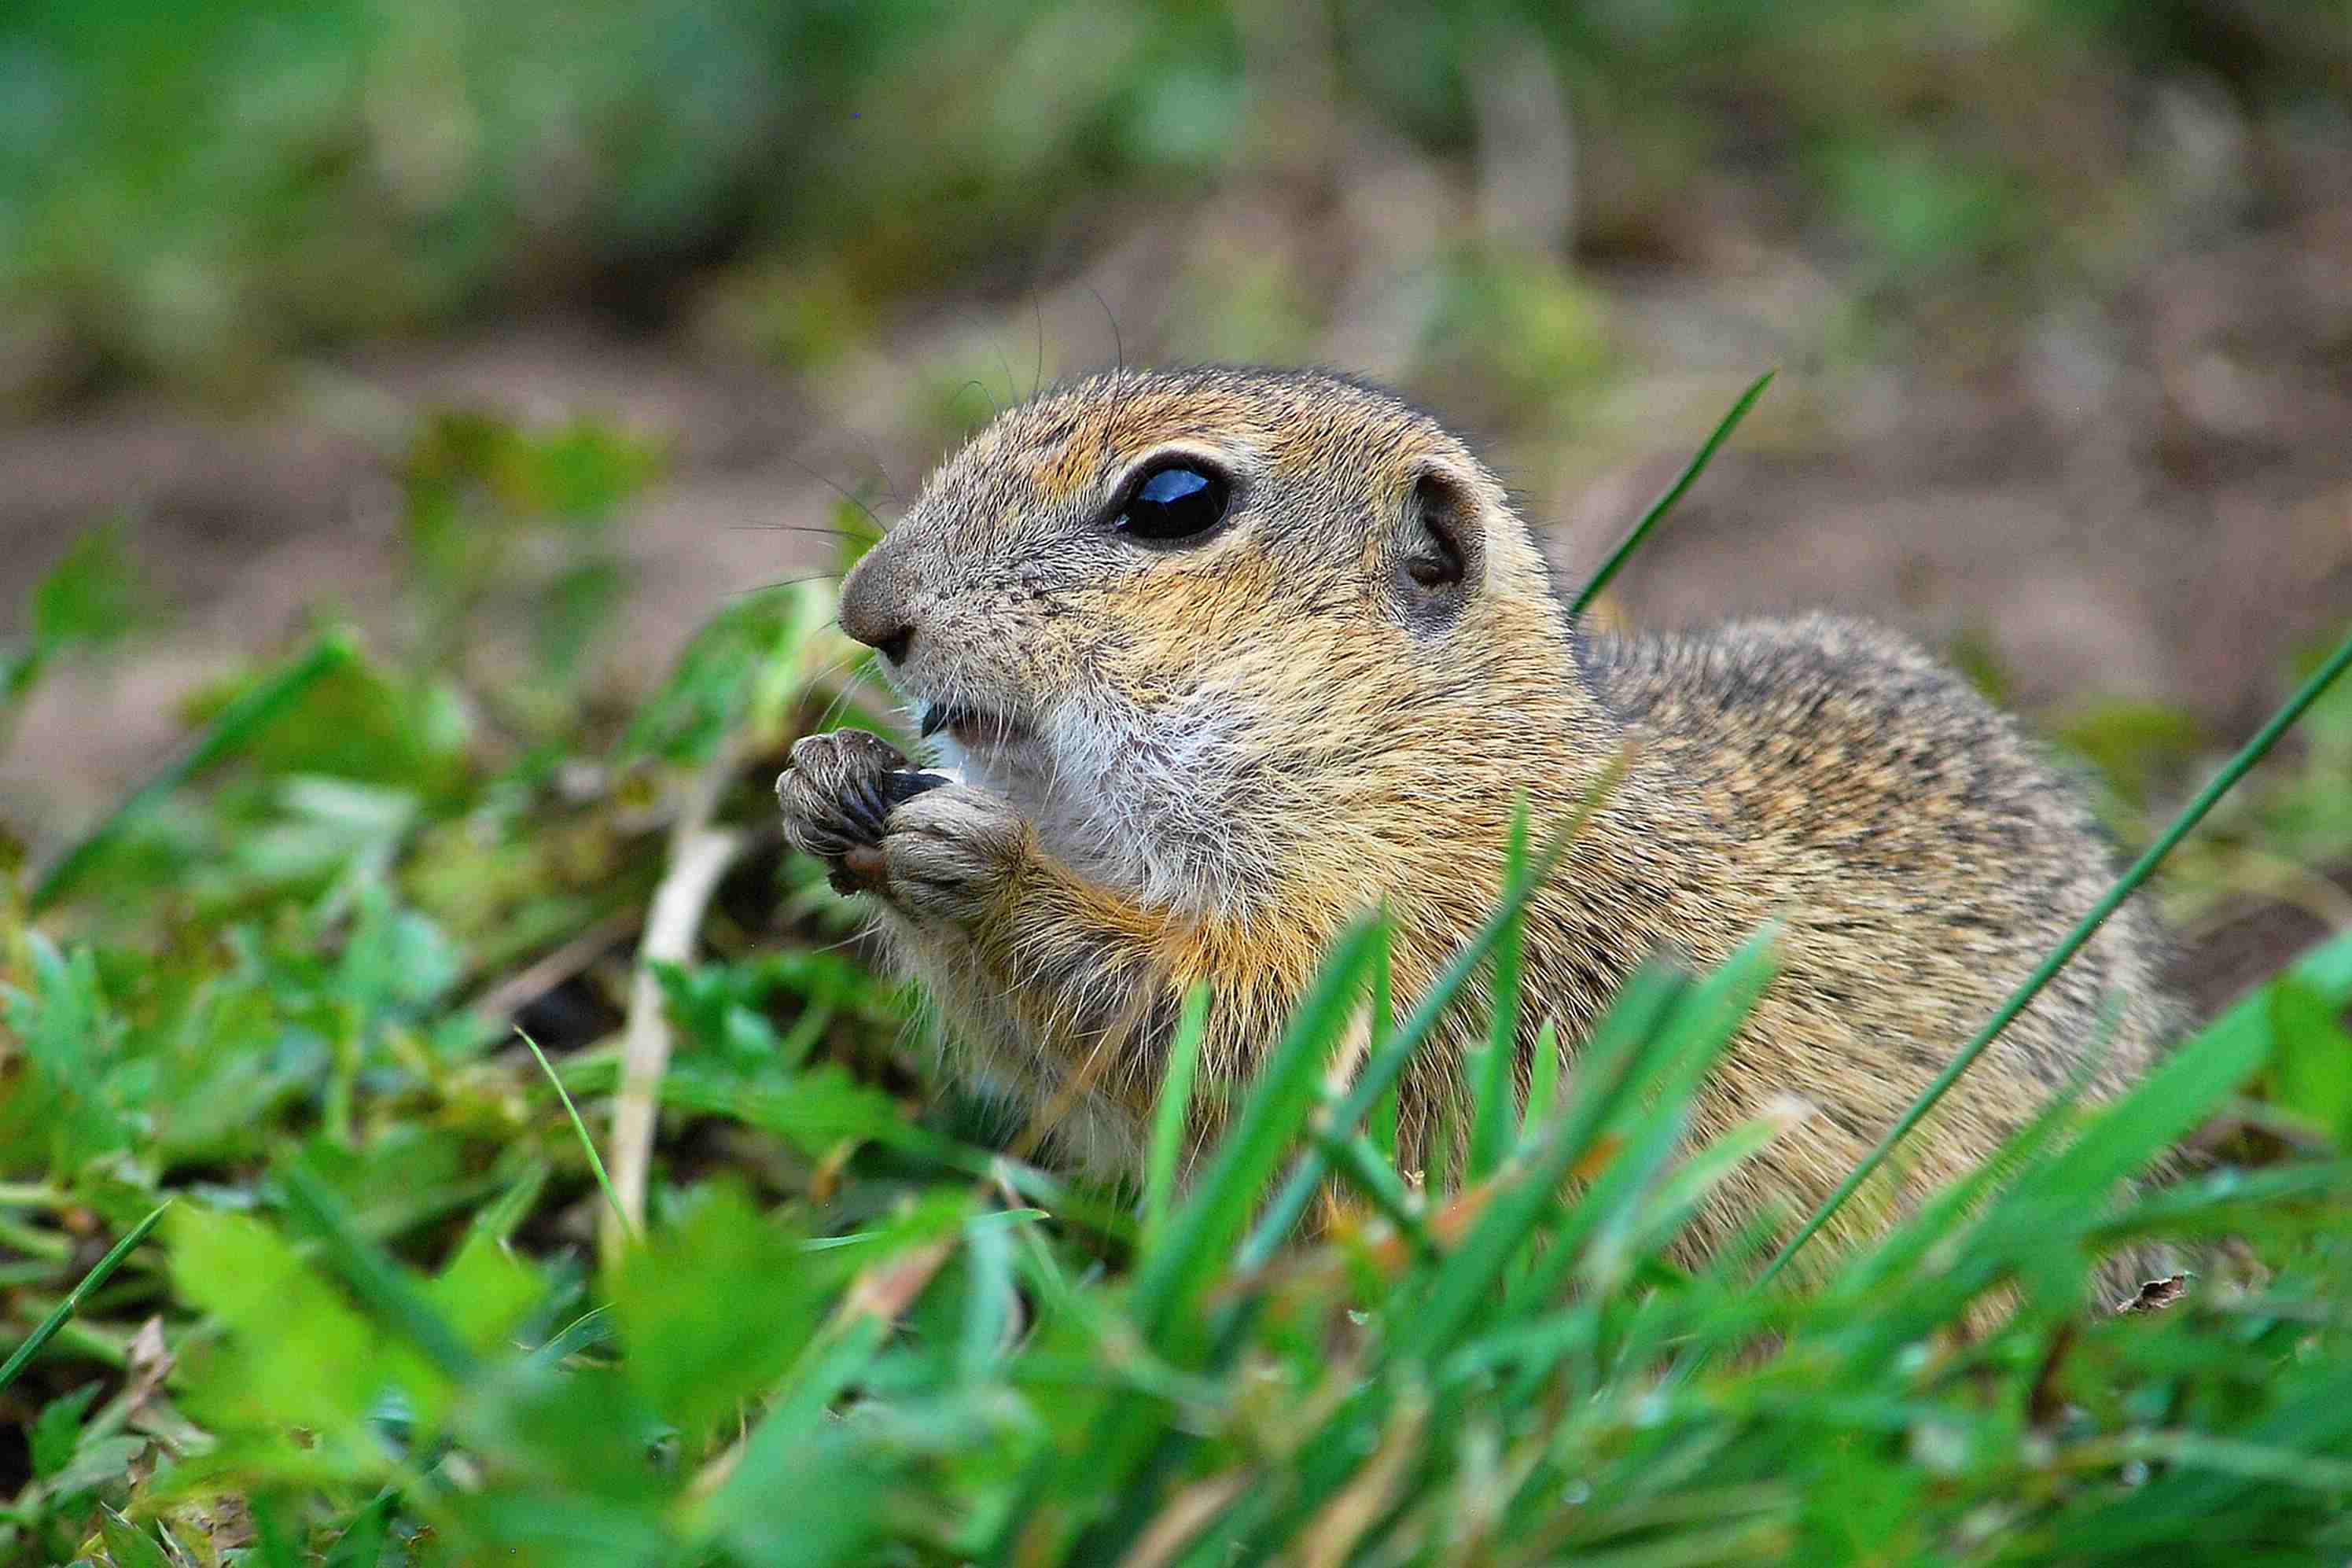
pixel 942 851
pixel 836 795
pixel 951 853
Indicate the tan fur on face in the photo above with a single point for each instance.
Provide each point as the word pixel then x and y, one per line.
pixel 1239 745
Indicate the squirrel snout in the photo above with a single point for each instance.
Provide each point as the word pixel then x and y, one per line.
pixel 873 609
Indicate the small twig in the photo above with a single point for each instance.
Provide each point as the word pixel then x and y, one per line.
pixel 699 855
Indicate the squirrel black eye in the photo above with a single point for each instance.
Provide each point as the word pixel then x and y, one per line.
pixel 1173 504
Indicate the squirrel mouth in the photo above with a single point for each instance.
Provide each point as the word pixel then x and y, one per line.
pixel 969 726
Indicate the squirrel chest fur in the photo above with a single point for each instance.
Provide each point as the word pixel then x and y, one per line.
pixel 1227 658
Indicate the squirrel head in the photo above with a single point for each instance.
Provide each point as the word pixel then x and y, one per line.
pixel 1182 618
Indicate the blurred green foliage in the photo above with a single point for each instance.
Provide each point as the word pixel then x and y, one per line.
pixel 89 599
pixel 195 190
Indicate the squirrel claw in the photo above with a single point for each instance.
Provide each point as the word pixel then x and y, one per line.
pixel 837 797
pixel 831 796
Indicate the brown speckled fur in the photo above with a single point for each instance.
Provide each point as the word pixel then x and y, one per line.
pixel 1225 751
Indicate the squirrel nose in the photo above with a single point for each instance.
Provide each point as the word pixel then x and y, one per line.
pixel 874 610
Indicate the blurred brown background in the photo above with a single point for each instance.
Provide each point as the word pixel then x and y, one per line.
pixel 2061 295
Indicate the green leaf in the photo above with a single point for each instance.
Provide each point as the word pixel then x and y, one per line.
pixel 90 596
pixel 587 468
pixel 816 1111
pixel 64 1023
pixel 72 1039
pixel 2311 1058
pixel 298 1354
pixel 713 1308
pixel 484 1292
pixel 741 671
pixel 2132 743
pixel 57 1428
pixel 385 1287
pixel 801 1450
pixel 130 1546
pixel 361 1544
pixel 98 1463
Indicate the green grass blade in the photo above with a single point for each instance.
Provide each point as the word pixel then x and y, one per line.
pixel 1494 1082
pixel 1383 1125
pixel 1387 1061
pixel 238 723
pixel 2159 1110
pixel 1438 1164
pixel 1679 1194
pixel 1182 1268
pixel 587 1143
pixel 1190 1251
pixel 1672 493
pixel 373 1277
pixel 2212 1204
pixel 1364 1168
pixel 991 1299
pixel 1644 1070
pixel 589 1330
pixel 2141 869
pixel 1543 1079
pixel 1672 1057
pixel 1168 1116
pixel 47 1329
pixel 1608 1073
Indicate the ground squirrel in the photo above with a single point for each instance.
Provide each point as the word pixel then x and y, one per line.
pixel 1229 657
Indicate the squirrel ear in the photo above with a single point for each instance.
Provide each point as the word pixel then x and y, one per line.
pixel 1442 543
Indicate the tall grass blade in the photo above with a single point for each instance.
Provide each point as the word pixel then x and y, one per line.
pixel 1649 1115
pixel 1494 1110
pixel 2128 883
pixel 1170 1115
pixel 47 1329
pixel 1543 1079
pixel 1388 1059
pixel 2154 1114
pixel 1617 558
pixel 1604 1076
pixel 1672 1058
pixel 1383 1124
pixel 1180 1269
pixel 991 1299
pixel 579 1128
